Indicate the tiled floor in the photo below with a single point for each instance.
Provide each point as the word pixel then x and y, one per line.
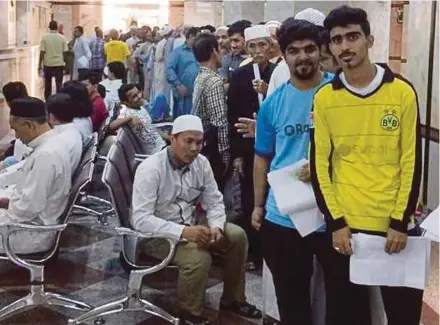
pixel 88 269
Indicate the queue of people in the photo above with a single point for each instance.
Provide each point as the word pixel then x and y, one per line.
pixel 251 99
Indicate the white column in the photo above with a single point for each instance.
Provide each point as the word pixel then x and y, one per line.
pixel 417 50
pixel 238 10
pixel 379 14
pixel 278 10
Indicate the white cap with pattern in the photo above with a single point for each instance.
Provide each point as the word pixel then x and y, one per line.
pixel 254 32
pixel 187 123
pixel 312 16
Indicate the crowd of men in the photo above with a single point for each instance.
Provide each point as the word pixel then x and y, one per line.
pixel 252 98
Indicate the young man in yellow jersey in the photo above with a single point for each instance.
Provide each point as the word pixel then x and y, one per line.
pixel 366 156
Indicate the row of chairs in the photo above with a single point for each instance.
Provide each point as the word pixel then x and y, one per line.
pixel 37 262
pixel 118 177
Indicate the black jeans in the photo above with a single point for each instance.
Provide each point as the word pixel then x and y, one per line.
pixel 49 73
pixel 290 259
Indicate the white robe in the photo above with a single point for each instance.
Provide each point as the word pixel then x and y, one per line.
pixel 82 56
pixel 159 68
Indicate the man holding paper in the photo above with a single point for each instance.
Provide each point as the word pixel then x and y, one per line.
pixel 281 145
pixel 247 88
pixel 366 156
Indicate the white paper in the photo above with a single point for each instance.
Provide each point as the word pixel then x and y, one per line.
pixel 371 265
pixel 431 225
pixel 307 221
pixel 258 77
pixel 296 198
pixel 21 150
pixel 10 175
pixel 291 195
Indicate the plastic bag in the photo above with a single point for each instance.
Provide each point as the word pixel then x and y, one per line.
pixel 232 197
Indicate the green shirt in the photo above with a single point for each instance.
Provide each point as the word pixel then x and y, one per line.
pixel 53 45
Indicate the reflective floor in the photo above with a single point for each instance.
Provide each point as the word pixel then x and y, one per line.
pixel 88 269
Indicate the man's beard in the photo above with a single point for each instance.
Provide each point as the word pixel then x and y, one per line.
pixel 305 72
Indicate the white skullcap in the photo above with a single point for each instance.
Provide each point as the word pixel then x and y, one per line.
pixel 273 24
pixel 187 123
pixel 165 30
pixel 312 16
pixel 254 32
pixel 222 28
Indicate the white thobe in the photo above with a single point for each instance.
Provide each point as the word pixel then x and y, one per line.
pixel 159 68
pixel 40 194
pixel 71 138
pixel 165 196
pixel 85 128
pixel 280 75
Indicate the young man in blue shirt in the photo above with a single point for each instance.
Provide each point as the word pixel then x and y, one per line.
pixel 282 139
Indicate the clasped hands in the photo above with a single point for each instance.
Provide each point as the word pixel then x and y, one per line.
pixel 202 236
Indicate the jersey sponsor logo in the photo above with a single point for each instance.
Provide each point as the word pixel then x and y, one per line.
pixel 390 121
pixel 297 129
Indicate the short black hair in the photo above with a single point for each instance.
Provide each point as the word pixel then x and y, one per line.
pixel 204 45
pixel 53 25
pixel 61 106
pixel 292 30
pixel 122 92
pixel 209 27
pixel 80 28
pixel 324 36
pixel 102 91
pixel 238 27
pixel 118 69
pixel 93 77
pixel 193 31
pixel 80 97
pixel 13 90
pixel 345 15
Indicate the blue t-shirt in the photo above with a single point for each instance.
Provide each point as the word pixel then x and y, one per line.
pixel 283 134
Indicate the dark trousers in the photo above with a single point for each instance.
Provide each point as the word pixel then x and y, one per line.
pixel 247 201
pixel 49 73
pixel 290 259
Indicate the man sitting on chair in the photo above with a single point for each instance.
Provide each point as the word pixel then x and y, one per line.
pixel 169 186
pixel 44 181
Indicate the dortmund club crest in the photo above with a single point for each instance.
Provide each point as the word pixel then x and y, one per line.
pixel 390 121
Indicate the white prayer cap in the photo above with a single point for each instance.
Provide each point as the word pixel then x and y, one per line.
pixel 187 123
pixel 312 16
pixel 165 30
pixel 222 28
pixel 273 24
pixel 254 32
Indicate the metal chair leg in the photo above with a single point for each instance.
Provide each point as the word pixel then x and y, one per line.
pixel 159 312
pixel 59 300
pixel 107 309
pixel 15 306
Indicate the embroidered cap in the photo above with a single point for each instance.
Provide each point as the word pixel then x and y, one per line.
pixel 312 16
pixel 254 32
pixel 187 123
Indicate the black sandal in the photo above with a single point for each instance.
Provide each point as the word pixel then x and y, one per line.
pixel 189 319
pixel 242 309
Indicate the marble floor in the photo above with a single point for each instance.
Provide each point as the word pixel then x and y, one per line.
pixel 88 269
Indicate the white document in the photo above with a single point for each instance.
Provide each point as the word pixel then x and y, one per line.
pixel 258 77
pixel 9 176
pixel 296 198
pixel 431 225
pixel 371 265
pixel 307 221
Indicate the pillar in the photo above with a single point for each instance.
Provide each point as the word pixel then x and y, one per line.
pixel 237 10
pixel 200 13
pixel 379 13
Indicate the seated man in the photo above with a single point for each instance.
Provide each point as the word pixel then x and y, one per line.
pixel 168 188
pixel 42 190
pixel 116 74
pixel 13 90
pixel 135 113
pixel 99 110
pixel 61 111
